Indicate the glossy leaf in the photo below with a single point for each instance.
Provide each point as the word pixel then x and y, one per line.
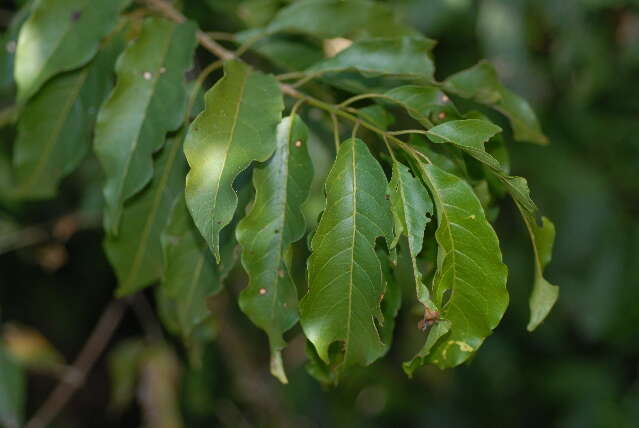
pixel 12 391
pixel 412 208
pixel 544 294
pixel 470 281
pixel 135 253
pixel 402 57
pixel 190 272
pixel 471 135
pixel 275 221
pixel 338 18
pixel 58 36
pixel 148 101
pixel 345 277
pixel 481 83
pixel 56 124
pixel 237 127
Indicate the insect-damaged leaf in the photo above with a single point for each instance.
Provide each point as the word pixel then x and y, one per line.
pixel 60 35
pixel 135 253
pixel 148 101
pixel 344 272
pixel 544 294
pixel 470 281
pixel 236 127
pixel 412 207
pixel 481 83
pixel 56 124
pixel 266 233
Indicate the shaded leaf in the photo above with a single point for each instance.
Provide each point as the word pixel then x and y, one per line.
pixel 376 115
pixel 481 83
pixel 426 104
pixel 55 125
pixel 275 221
pixel 60 35
pixel 470 281
pixel 8 44
pixel 544 294
pixel 236 127
pixel 471 135
pixel 338 18
pixel 412 207
pixel 345 277
pixel 391 301
pixel 148 101
pixel 190 273
pixel 135 253
pixel 31 349
pixel 401 57
pixel 12 390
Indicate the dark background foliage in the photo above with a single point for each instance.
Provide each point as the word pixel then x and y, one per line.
pixel 577 62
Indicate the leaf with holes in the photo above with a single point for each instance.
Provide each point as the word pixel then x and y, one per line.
pixel 136 253
pixel 56 124
pixel 148 101
pixel 58 36
pixel 470 281
pixel 237 126
pixel 344 273
pixel 412 208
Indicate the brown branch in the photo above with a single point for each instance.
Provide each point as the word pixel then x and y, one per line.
pixel 75 376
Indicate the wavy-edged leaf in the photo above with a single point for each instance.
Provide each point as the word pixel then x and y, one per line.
pixel 275 221
pixel 148 101
pixel 60 35
pixel 190 272
pixel 544 294
pixel 237 126
pixel 12 390
pixel 401 57
pixel 426 104
pixel 481 83
pixel 471 135
pixel 412 208
pixel 344 273
pixel 470 282
pixel 135 253
pixel 338 18
pixel 56 124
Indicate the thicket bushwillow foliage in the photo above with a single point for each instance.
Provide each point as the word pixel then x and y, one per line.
pixel 415 176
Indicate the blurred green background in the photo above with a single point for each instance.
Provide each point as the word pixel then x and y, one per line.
pixel 577 61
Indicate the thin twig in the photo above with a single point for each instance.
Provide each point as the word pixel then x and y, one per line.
pixel 76 375
pixel 335 131
pixel 144 313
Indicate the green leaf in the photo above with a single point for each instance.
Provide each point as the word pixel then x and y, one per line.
pixel 60 35
pixel 481 84
pixel 344 273
pixel 412 208
pixel 339 18
pixel 436 332
pixel 12 391
pixel 237 127
pixel 190 273
pixel 148 101
pixel 8 44
pixel 135 253
pixel 401 57
pixel 426 104
pixel 471 135
pixel 391 301
pixel 470 281
pixel 275 221
pixel 376 115
pixel 544 294
pixel 55 125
